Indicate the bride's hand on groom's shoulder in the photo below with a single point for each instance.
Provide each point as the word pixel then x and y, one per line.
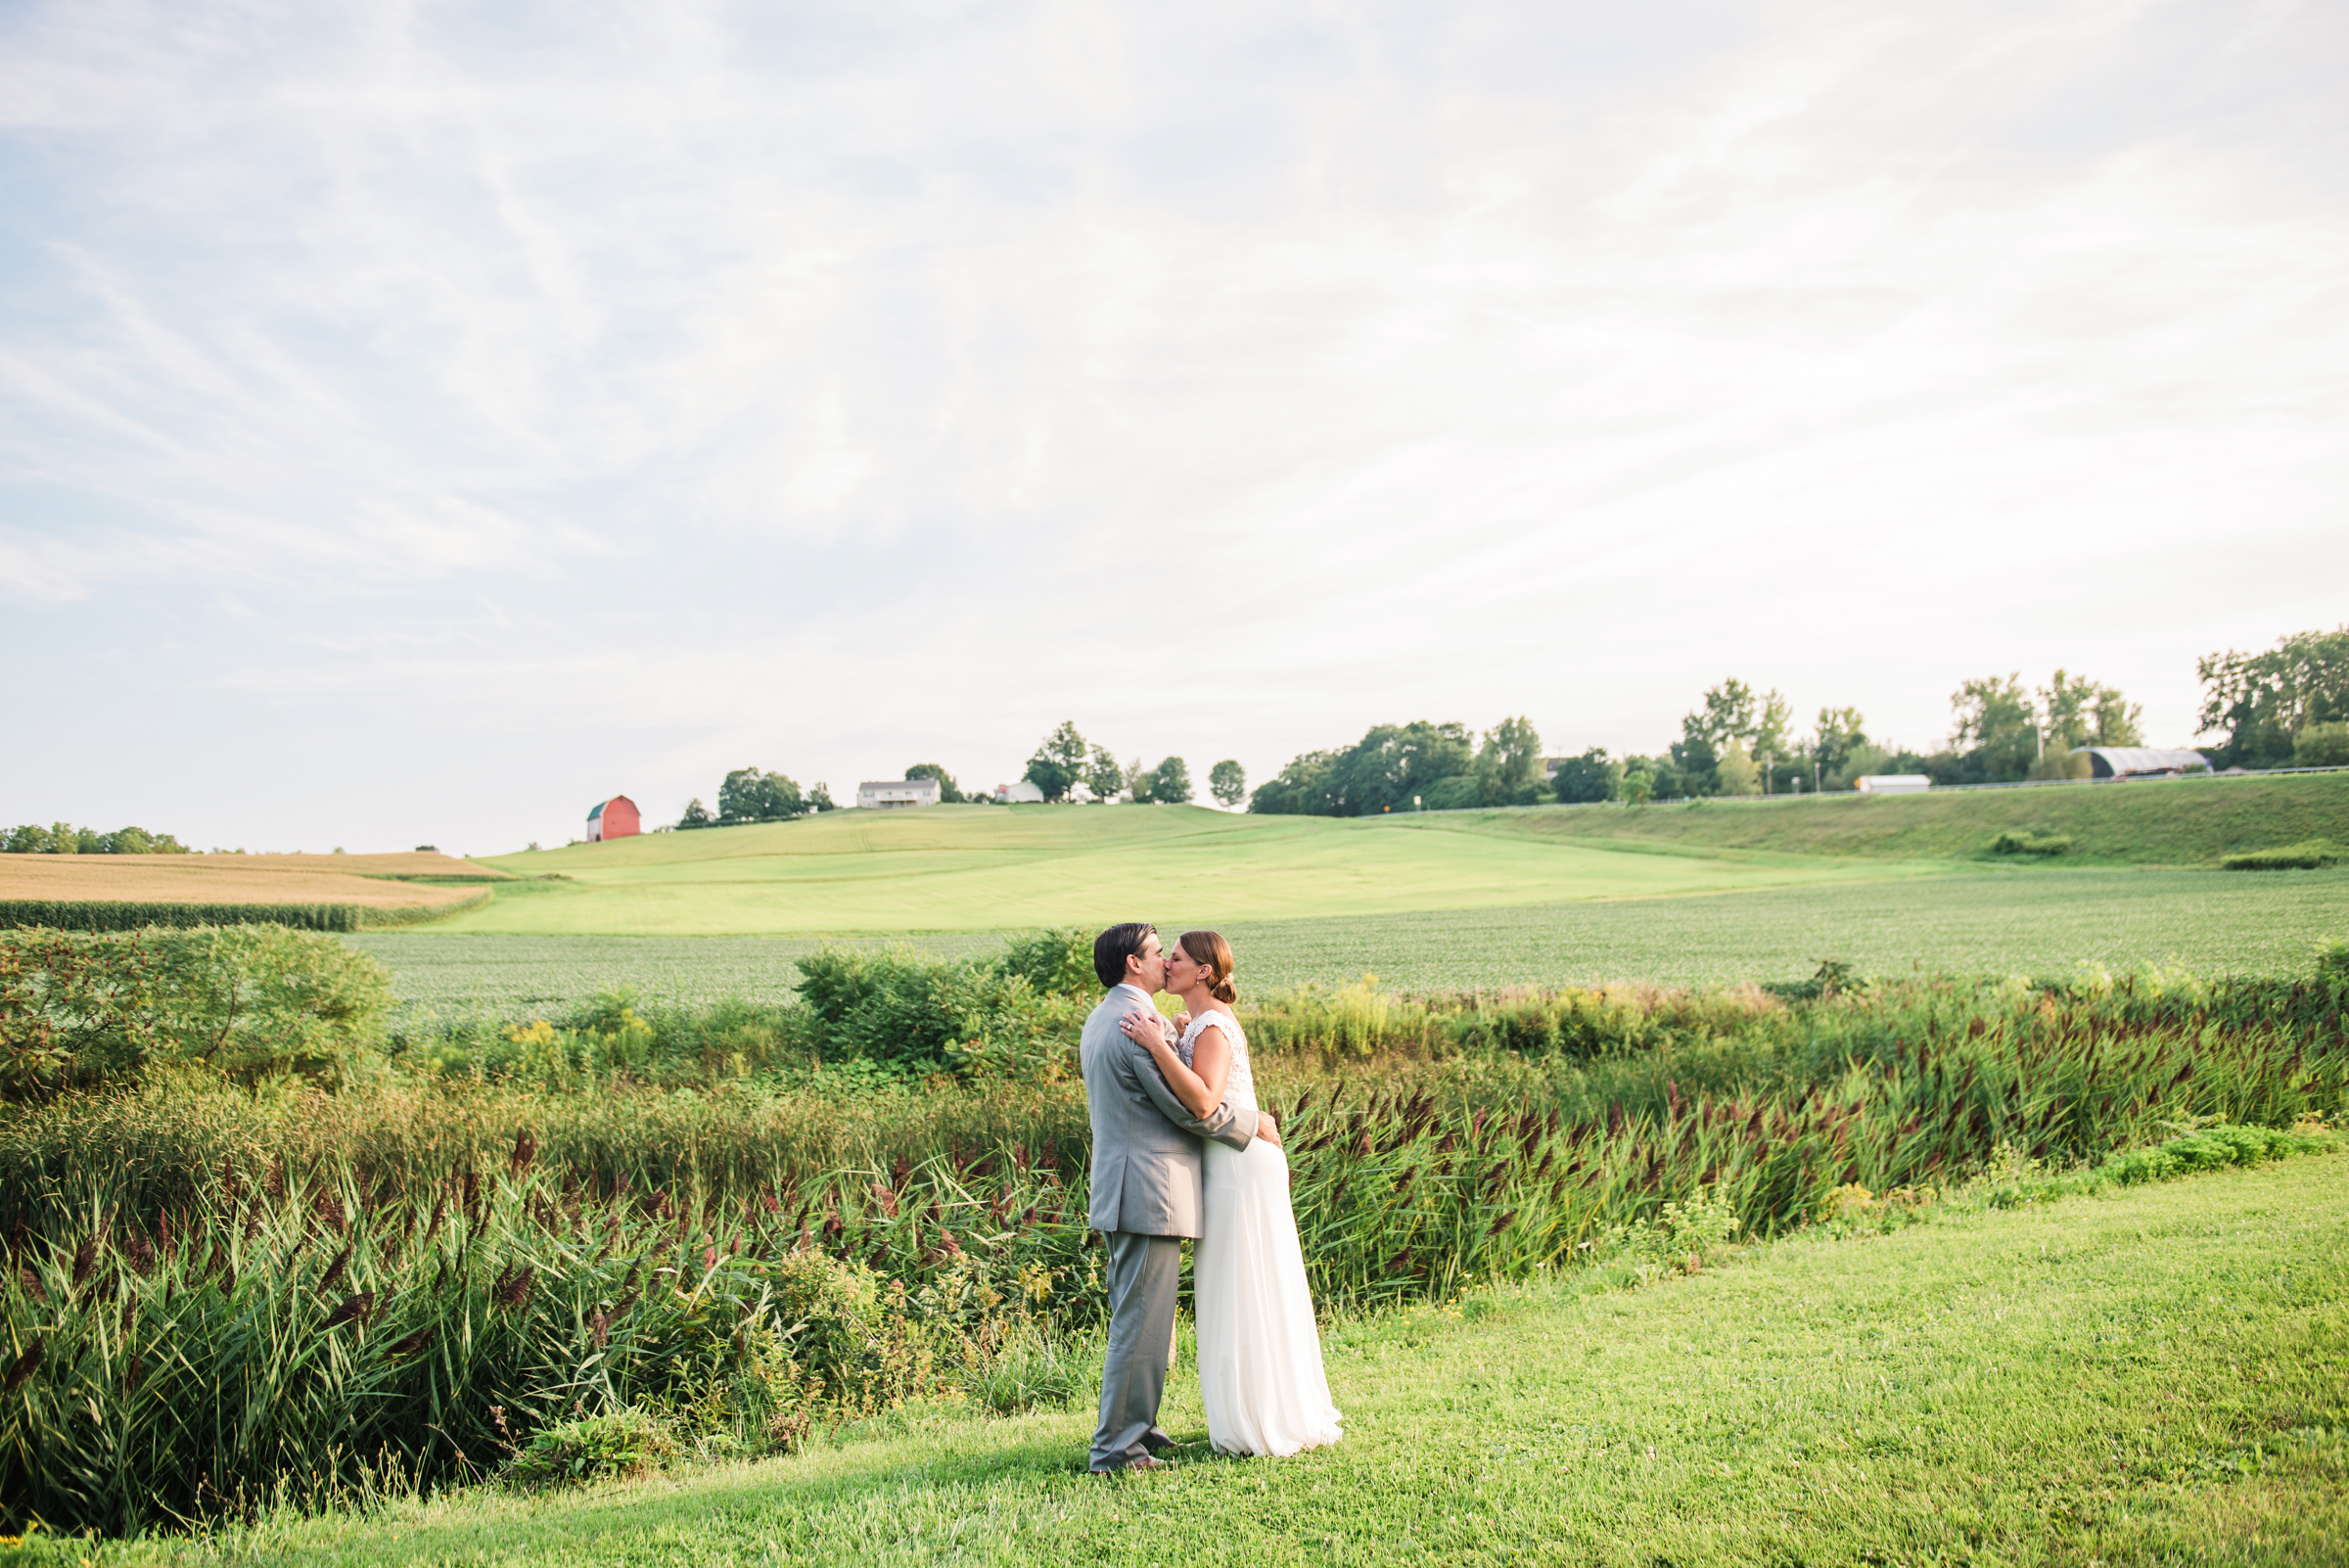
pixel 1183 1021
pixel 1144 1029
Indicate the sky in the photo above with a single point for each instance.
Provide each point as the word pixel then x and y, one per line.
pixel 420 421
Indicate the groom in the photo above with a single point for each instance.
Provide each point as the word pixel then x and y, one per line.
pixel 1146 1179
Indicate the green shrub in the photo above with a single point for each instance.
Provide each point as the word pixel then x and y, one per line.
pixel 2312 855
pixel 2024 842
pixel 2321 746
pixel 832 1312
pixel 1058 961
pixel 77 1009
pixel 613 1036
pixel 618 1446
pixel 1454 794
pixel 896 1008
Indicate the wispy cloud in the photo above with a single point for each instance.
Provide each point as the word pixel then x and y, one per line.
pixel 644 388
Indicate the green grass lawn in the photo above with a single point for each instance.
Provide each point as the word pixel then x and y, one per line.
pixel 983 868
pixel 2157 1375
pixel 2038 921
pixel 2176 822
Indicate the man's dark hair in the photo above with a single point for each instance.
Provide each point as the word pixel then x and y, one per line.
pixel 1115 946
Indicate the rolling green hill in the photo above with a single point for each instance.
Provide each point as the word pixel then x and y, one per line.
pixel 988 869
pixel 2173 822
pixel 980 868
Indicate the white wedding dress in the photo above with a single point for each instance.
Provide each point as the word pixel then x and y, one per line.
pixel 1260 1351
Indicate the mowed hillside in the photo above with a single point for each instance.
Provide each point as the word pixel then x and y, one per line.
pixel 2170 822
pixel 983 868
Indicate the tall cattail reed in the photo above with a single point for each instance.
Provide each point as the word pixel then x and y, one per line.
pixel 360 1281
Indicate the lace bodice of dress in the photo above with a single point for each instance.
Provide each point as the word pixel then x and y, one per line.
pixel 1239 1086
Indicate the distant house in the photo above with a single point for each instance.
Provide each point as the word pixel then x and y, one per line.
pixel 2139 762
pixel 1024 793
pixel 897 794
pixel 1892 784
pixel 615 818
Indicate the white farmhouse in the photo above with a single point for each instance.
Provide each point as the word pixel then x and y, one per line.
pixel 1024 793
pixel 897 794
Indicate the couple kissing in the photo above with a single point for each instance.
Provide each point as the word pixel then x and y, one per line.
pixel 1180 1149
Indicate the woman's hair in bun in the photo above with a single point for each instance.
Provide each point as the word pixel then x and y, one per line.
pixel 1210 950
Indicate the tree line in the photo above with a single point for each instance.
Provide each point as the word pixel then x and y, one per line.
pixel 2287 707
pixel 2283 708
pixel 749 795
pixel 63 838
pixel 1068 767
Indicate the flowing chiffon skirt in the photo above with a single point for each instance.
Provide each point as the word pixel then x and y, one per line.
pixel 1259 1351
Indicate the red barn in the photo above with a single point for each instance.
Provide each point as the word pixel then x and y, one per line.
pixel 615 818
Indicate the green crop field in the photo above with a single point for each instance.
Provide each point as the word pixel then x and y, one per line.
pixel 2147 1377
pixel 1718 892
pixel 2043 922
pixel 986 868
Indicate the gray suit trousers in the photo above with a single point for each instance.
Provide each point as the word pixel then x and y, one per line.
pixel 1144 1273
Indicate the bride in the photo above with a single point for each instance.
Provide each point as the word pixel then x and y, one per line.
pixel 1260 1355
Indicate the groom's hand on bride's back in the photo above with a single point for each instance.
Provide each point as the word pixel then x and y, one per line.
pixel 1267 1128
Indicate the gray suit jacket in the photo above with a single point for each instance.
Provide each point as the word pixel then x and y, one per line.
pixel 1147 1174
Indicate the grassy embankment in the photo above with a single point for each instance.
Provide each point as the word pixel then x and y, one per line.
pixel 2155 1375
pixel 395 889
pixel 2164 822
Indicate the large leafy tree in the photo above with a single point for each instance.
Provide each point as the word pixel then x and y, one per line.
pixel 1731 711
pixel 750 796
pixel 2262 700
pixel 1393 762
pixel 1508 767
pixel 1171 782
pixel 1769 743
pixel 1306 787
pixel 1102 774
pixel 1839 732
pixel 2081 712
pixel 1058 766
pixel 1228 782
pixel 1380 772
pixel 1589 777
pixel 947 793
pixel 1996 735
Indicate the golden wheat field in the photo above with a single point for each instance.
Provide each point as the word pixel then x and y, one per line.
pixel 239 878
